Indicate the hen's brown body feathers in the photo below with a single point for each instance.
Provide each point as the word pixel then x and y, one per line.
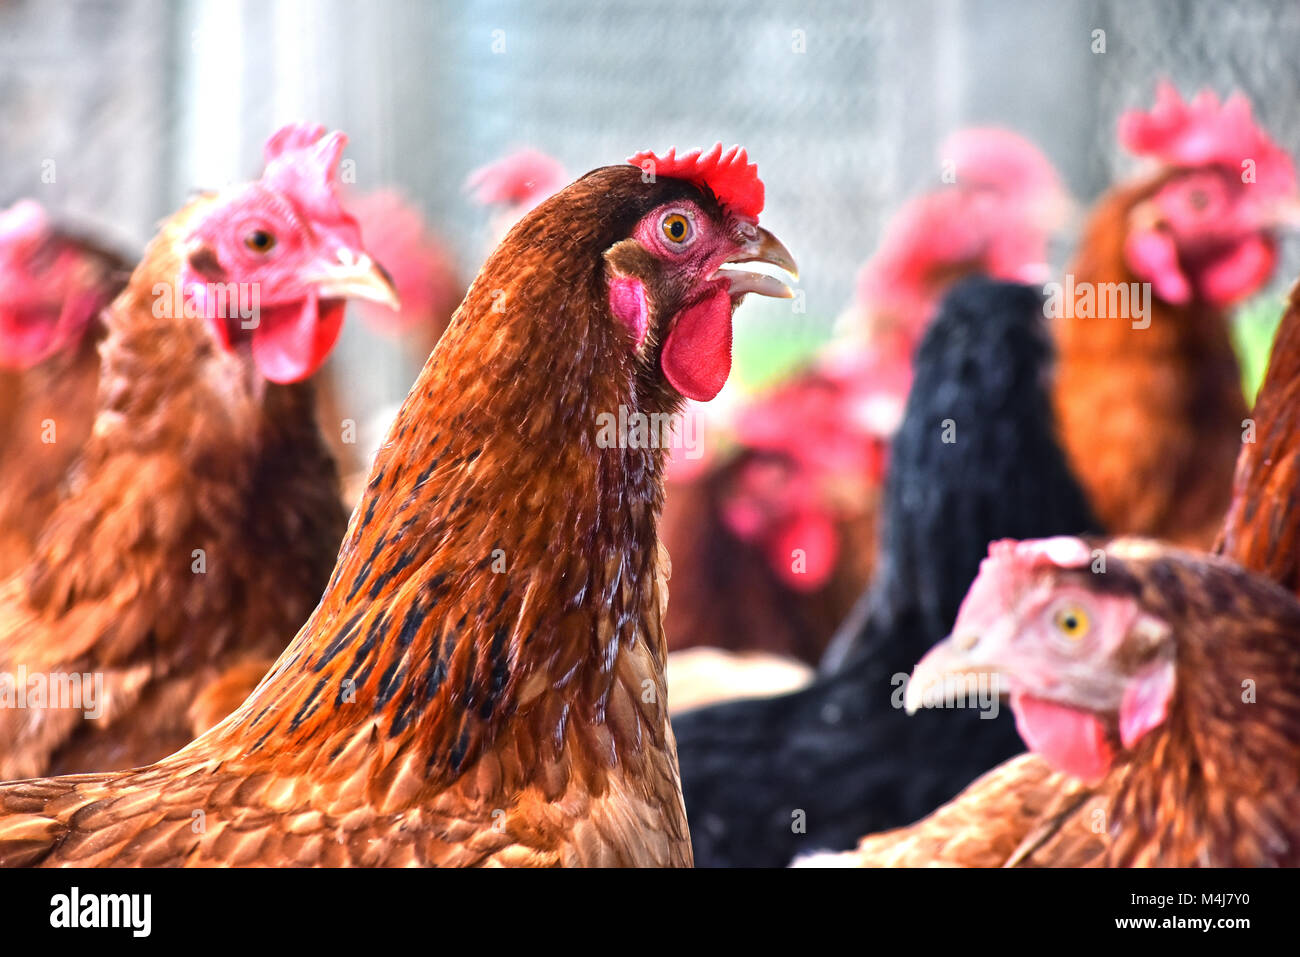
pixel 1260 532
pixel 197 535
pixel 46 414
pixel 483 681
pixel 1151 418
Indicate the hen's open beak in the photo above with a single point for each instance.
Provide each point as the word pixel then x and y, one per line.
pixel 955 656
pixel 355 277
pixel 1284 214
pixel 764 248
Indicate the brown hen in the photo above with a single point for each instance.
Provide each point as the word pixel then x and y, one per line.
pixel 202 521
pixel 53 284
pixel 482 682
pixel 1148 390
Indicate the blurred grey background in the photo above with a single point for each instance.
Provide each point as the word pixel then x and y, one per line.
pixel 842 103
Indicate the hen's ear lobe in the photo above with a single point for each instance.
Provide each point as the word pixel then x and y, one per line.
pixel 626 263
pixel 204 262
pixel 1145 704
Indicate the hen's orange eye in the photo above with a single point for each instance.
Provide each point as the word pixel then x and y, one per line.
pixel 1072 621
pixel 676 227
pixel 259 241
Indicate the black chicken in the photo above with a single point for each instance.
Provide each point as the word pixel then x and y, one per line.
pixel 976 459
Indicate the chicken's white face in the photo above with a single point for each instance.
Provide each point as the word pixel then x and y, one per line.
pixel 1082 666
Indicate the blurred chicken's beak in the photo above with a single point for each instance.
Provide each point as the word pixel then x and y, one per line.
pixel 955 656
pixel 764 248
pixel 1285 214
pixel 355 277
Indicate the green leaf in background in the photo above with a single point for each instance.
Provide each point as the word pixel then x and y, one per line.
pixel 1252 336
pixel 770 346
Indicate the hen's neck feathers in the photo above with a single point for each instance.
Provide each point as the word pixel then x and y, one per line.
pixel 1218 783
pixel 500 580
pixel 1260 530
pixel 190 449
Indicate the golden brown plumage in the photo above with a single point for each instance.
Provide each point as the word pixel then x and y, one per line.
pixel 1151 418
pixel 46 411
pixel 482 682
pixel 196 462
pixel 1260 531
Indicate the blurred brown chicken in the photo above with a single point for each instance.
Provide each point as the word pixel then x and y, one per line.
pixel 1150 402
pixel 482 682
pixel 1025 812
pixel 204 516
pixel 53 284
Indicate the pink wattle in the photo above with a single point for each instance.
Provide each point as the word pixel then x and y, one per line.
pixel 696 357
pixel 1238 274
pixel 813 533
pixel 291 342
pixel 1069 740
pixel 26 337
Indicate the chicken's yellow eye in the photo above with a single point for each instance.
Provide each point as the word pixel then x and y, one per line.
pixel 676 227
pixel 1072 621
pixel 259 241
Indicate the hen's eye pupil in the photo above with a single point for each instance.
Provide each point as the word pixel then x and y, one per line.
pixel 259 240
pixel 676 227
pixel 1072 622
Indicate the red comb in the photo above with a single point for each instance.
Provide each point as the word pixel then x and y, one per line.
pixel 1207 133
pixel 303 162
pixel 730 176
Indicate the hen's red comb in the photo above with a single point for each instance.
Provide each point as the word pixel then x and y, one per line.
pixel 730 175
pixel 1207 133
pixel 303 163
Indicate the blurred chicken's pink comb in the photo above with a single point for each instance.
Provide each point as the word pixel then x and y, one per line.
pixel 730 176
pixel 24 221
pixel 524 179
pixel 1207 133
pixel 302 162
pixel 1001 159
pixel 1063 551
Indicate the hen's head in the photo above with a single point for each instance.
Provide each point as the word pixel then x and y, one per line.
pixel 994 218
pixel 287 241
pixel 665 284
pixel 1206 229
pixel 53 286
pixel 1086 665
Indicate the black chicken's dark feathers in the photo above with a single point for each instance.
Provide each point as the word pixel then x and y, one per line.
pixel 768 779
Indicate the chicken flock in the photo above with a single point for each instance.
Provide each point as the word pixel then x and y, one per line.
pixel 1005 575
